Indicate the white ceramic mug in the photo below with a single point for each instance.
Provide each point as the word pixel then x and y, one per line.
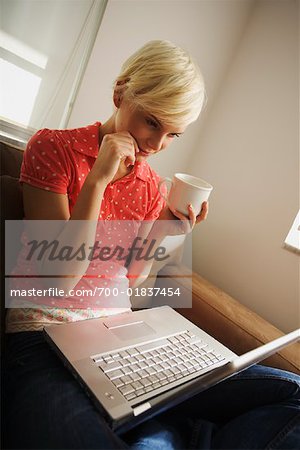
pixel 186 190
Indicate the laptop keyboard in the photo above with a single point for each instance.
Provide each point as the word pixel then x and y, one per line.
pixel 146 367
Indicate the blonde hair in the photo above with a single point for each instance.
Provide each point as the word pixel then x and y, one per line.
pixel 163 80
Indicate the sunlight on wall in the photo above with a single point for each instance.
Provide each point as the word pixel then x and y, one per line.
pixel 21 89
pixel 19 48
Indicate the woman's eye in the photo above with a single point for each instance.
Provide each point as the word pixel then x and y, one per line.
pixel 151 123
pixel 155 125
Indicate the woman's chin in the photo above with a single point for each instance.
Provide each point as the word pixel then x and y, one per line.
pixel 141 156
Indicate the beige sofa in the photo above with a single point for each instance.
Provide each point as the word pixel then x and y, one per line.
pixel 212 309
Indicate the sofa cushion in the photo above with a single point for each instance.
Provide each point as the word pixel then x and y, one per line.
pixel 11 198
pixel 11 160
pixel 11 207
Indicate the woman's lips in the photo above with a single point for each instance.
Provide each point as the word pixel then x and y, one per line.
pixel 144 153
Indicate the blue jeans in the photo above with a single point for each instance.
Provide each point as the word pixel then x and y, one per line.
pixel 45 408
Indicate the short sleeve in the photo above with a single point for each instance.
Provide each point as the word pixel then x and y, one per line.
pixel 45 163
pixel 158 203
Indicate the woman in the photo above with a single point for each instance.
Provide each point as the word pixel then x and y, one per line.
pixel 98 174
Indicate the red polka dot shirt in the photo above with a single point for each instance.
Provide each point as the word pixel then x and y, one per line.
pixel 59 161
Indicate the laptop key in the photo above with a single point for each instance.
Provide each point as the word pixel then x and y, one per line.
pixel 179 375
pixel 153 345
pixel 149 388
pixel 142 365
pixel 143 373
pixel 151 370
pixel 126 389
pixel 98 359
pixel 130 396
pixel 194 340
pixel 172 363
pixel 137 385
pixel 200 345
pixel 107 358
pixel 132 360
pixel 161 351
pixel 173 339
pixel 132 351
pixel 188 365
pixel 111 366
pixel 135 376
pixel 102 364
pixel 118 382
pixel 165 365
pixel 114 374
pixel 126 370
pixel 161 376
pixel 140 392
pixel 145 382
pixel 168 373
pixel 153 378
pixel 126 379
pixel 175 370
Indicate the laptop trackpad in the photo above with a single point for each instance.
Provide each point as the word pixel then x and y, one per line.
pixel 129 330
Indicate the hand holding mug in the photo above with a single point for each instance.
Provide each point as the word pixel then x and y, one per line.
pixel 177 223
pixel 187 201
pixel 186 190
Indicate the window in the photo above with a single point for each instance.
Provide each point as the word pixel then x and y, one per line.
pixel 45 46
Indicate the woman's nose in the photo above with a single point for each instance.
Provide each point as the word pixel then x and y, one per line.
pixel 156 142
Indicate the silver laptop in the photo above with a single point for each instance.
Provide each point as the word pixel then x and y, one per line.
pixel 136 364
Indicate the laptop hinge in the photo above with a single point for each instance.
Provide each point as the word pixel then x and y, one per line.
pixel 141 408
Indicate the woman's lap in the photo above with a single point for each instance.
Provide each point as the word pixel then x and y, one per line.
pixel 258 408
pixel 46 408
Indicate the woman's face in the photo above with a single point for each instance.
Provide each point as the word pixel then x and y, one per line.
pixel 151 135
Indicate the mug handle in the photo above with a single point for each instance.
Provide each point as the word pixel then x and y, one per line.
pixel 164 180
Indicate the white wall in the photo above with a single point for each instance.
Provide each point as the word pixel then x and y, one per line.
pixel 249 152
pixel 210 30
pixel 245 144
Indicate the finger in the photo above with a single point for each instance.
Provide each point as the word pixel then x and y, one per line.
pixel 133 148
pixel 130 160
pixel 192 215
pixel 127 157
pixel 136 147
pixel 127 149
pixel 185 221
pixel 203 213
